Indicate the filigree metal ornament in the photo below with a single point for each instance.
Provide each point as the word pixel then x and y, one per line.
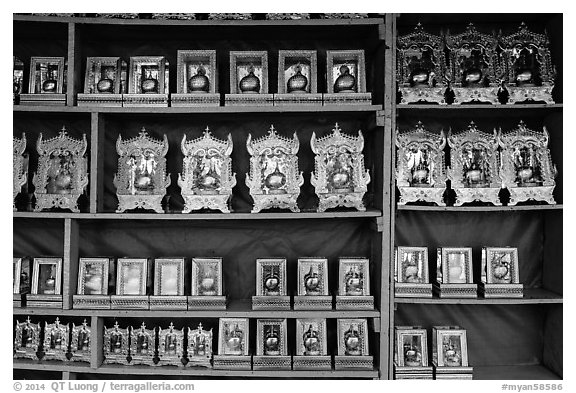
pixel 141 180
pixel 450 353
pixel 199 348
pixel 62 174
pixel 55 341
pixel 104 82
pixel 26 339
pixel 80 344
pixel 411 353
pixel 340 177
pixel 170 346
pixel 500 273
pixel 116 349
pixel 19 173
pixel 311 351
pixel 454 276
pixel 473 67
pixel 411 272
pixel 274 180
pixel 421 67
pixel 527 169
pixel 353 352
pixel 142 345
pixel 527 64
pixel 420 167
pixel 233 349
pixel 208 179
pixel 474 172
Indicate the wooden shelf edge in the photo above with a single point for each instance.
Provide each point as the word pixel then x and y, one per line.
pixel 477 106
pixel 369 213
pixel 479 208
pixel 531 296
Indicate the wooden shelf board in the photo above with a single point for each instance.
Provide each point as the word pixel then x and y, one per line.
pixel 51 365
pixel 476 106
pixel 531 296
pixel 479 208
pixel 369 213
pixel 195 110
pixel 514 372
pixel 234 23
pixel 236 309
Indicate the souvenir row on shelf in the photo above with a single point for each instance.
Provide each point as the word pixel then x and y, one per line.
pixel 188 347
pixel 480 165
pixel 106 82
pixel 339 179
pixel 454 274
pixel 207 290
pixel 213 16
pixel 474 67
pixel 449 353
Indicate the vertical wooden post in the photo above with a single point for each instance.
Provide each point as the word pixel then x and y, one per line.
pixel 73 79
pixel 96 341
pixel 70 268
pixel 96 162
pixel 68 375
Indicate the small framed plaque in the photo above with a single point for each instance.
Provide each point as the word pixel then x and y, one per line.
pixel 500 273
pixel 353 350
pixel 26 340
pixel 16 272
pixel 354 284
pixel 168 285
pixel 248 79
pixel 271 345
pixel 197 79
pixel 55 341
pixel 454 273
pixel 207 291
pixel 142 345
pixel 450 353
pixel 271 285
pixel 311 351
pixel 116 349
pixel 170 346
pixel 148 82
pixel 17 79
pixel 297 78
pixel 131 281
pixel 312 285
pixel 80 347
pixel 46 283
pixel 411 274
pixel 46 82
pixel 92 284
pixel 346 78
pixel 199 347
pixel 104 82
pixel 233 349
pixel 411 353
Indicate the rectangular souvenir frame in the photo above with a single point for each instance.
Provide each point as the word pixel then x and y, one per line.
pixel 411 363
pixel 273 269
pixel 233 356
pixel 116 348
pixel 17 79
pixel 355 62
pixel 17 297
pixel 359 358
pixel 354 284
pixel 500 279
pixel 289 63
pixel 133 298
pixel 168 298
pixel 80 344
pixel 38 297
pixel 23 332
pixel 313 274
pixel 445 285
pixel 35 94
pixel 100 299
pixel 278 358
pixel 239 61
pixel 142 345
pixel 188 65
pixel 135 96
pixel 115 67
pixel 453 365
pixel 207 291
pixel 55 346
pixel 170 346
pixel 412 277
pixel 311 348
